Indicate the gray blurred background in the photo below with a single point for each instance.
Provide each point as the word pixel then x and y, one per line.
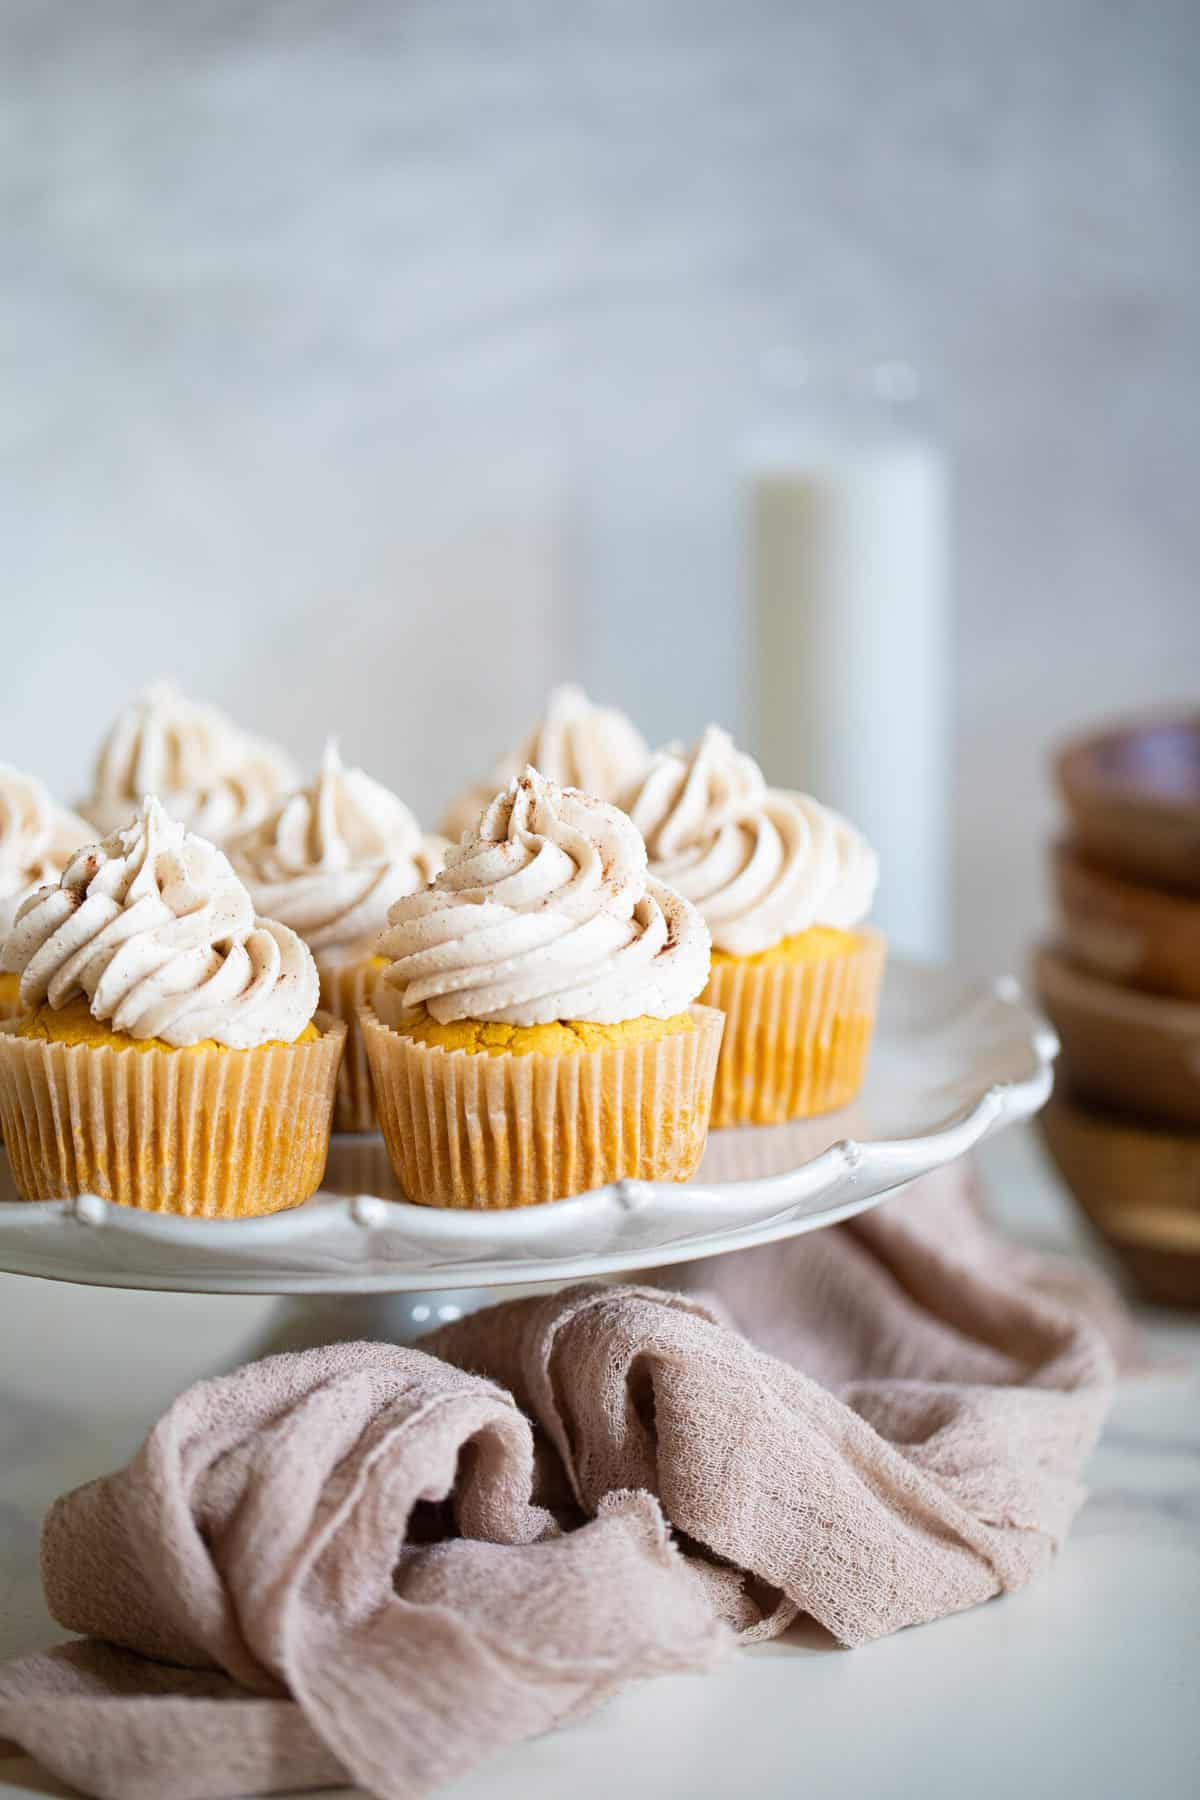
pixel 370 365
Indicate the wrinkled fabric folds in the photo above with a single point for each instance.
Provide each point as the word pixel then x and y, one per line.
pixel 373 1564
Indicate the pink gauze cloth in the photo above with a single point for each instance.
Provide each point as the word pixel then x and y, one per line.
pixel 376 1565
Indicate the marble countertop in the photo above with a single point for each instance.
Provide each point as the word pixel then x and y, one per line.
pixel 1089 1679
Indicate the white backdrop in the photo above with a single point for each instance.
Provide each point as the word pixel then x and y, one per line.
pixel 367 367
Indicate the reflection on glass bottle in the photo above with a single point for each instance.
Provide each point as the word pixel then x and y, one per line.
pixel 846 520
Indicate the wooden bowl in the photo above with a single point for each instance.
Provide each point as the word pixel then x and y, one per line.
pixel 1136 1053
pixel 1138 936
pixel 1133 793
pixel 1140 1188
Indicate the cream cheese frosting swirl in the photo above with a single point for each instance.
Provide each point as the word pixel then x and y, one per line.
pixel 155 931
pixel 206 770
pixel 760 863
pixel 577 744
pixel 544 912
pixel 333 857
pixel 37 837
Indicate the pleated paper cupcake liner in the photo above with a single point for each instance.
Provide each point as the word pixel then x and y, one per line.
pixel 345 987
pixel 465 1129
pixel 10 1008
pixel 206 1133
pixel 797 1034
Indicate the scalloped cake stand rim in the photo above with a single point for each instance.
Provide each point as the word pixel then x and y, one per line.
pixel 364 1243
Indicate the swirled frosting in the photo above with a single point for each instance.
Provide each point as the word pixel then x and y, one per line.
pixel 155 931
pixel 37 837
pixel 577 744
pixel 759 862
pixel 544 912
pixel 331 859
pixel 206 770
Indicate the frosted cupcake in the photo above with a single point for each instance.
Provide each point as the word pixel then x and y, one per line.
pixel 784 885
pixel 37 837
pixel 329 862
pixel 578 744
pixel 535 1033
pixel 166 1056
pixel 207 771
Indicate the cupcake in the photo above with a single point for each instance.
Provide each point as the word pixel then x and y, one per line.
pixel 783 884
pixel 534 1034
pixel 166 1056
pixel 37 837
pixel 207 771
pixel 577 744
pixel 329 862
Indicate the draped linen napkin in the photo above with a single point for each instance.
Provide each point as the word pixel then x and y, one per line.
pixel 377 1565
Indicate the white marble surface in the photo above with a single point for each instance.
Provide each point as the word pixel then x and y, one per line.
pixel 1085 1682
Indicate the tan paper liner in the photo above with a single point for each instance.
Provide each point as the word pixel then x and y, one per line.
pixel 345 987
pixel 465 1129
pixel 797 1034
pixel 10 1008
pixel 204 1133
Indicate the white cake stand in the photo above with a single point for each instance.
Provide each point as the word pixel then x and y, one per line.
pixel 954 1061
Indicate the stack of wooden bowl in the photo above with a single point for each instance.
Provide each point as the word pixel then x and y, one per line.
pixel 1122 984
